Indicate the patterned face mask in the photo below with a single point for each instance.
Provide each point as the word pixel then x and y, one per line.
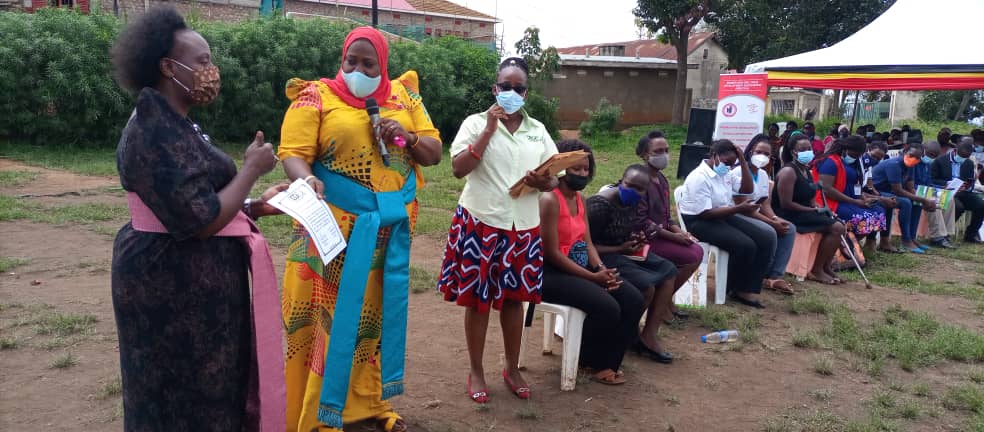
pixel 206 85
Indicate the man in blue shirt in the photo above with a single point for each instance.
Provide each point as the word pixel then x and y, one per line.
pixel 895 177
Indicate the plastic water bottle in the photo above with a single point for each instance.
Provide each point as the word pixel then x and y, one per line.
pixel 720 336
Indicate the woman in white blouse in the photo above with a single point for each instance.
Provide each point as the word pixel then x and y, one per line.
pixel 494 256
pixel 711 215
pixel 758 153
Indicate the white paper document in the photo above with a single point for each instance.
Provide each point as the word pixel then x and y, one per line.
pixel 301 202
pixel 955 184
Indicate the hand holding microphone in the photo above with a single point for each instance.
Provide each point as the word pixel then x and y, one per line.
pixel 373 109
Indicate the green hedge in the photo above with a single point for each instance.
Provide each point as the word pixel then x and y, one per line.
pixel 56 77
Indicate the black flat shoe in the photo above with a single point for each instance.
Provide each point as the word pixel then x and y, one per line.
pixel 656 356
pixel 751 303
pixel 681 315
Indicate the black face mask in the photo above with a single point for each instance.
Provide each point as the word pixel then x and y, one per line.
pixel 576 182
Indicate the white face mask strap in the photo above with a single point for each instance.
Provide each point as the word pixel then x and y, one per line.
pixel 175 79
pixel 181 64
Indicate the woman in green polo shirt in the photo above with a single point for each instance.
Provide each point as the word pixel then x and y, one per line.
pixel 494 258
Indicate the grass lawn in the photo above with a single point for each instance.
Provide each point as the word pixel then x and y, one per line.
pixel 841 337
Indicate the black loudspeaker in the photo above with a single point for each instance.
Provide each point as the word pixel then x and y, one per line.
pixel 701 126
pixel 691 155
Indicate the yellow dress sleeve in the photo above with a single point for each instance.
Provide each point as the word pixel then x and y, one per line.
pixel 299 132
pixel 422 124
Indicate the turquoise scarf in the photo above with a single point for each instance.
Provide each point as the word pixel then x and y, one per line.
pixel 373 210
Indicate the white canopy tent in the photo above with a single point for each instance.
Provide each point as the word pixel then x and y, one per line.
pixel 914 45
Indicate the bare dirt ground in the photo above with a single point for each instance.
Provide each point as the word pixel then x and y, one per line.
pixel 708 388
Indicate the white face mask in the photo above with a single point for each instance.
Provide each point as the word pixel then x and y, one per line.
pixel 760 160
pixel 360 84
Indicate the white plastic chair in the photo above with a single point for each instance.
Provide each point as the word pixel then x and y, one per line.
pixel 573 318
pixel 720 256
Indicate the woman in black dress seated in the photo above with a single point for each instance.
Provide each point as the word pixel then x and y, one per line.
pixel 611 221
pixel 794 199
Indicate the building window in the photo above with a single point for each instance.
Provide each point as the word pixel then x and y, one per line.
pixel 428 31
pixel 612 50
pixel 466 34
pixel 693 66
pixel 705 53
pixel 481 25
pixel 457 22
pixel 397 16
pixel 633 73
pixel 783 106
pixel 428 19
pixel 582 72
pixel 609 74
pixel 365 13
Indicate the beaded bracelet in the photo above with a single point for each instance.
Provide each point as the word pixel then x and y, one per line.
pixel 471 150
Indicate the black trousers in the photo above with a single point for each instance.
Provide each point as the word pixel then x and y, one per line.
pixel 974 203
pixel 750 244
pixel 613 317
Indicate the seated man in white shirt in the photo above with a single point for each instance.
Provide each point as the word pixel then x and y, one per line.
pixel 710 215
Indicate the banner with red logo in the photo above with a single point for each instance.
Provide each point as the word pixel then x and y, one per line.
pixel 741 107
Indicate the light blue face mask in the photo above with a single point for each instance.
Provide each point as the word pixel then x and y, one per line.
pixel 927 160
pixel 959 159
pixel 849 160
pixel 360 84
pixel 721 169
pixel 805 157
pixel 978 149
pixel 510 101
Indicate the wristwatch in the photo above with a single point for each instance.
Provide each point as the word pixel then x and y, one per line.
pixel 247 208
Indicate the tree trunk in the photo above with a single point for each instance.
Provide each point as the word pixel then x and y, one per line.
pixel 963 105
pixel 680 91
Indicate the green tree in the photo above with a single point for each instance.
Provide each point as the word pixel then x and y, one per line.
pixel 674 20
pixel 542 63
pixel 948 105
pixel 758 30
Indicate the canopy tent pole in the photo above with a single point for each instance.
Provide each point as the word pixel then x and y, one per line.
pixel 857 102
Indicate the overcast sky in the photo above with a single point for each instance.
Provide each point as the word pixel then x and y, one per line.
pixel 562 22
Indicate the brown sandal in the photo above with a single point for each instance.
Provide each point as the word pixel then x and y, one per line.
pixel 778 285
pixel 813 278
pixel 608 377
pixel 391 423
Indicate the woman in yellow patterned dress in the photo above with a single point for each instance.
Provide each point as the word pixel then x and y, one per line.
pixel 346 321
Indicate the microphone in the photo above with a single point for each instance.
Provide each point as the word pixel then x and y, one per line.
pixel 373 109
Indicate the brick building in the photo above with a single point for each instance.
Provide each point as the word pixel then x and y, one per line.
pixel 412 19
pixel 642 86
pixel 706 60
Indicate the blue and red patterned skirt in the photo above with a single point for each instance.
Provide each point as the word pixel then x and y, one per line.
pixel 484 266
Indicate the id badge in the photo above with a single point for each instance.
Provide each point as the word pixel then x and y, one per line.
pixel 857 190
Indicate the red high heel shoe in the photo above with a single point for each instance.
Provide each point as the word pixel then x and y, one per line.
pixel 480 397
pixel 520 392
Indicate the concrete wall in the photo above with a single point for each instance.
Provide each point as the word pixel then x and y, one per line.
pixel 906 103
pixel 645 94
pixel 704 80
pixel 435 26
pixel 803 101
pixel 214 10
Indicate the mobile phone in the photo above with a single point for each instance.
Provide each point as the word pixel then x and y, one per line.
pixel 761 200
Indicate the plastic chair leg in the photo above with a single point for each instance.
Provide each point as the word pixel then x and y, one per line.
pixel 572 350
pixel 548 320
pixel 720 277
